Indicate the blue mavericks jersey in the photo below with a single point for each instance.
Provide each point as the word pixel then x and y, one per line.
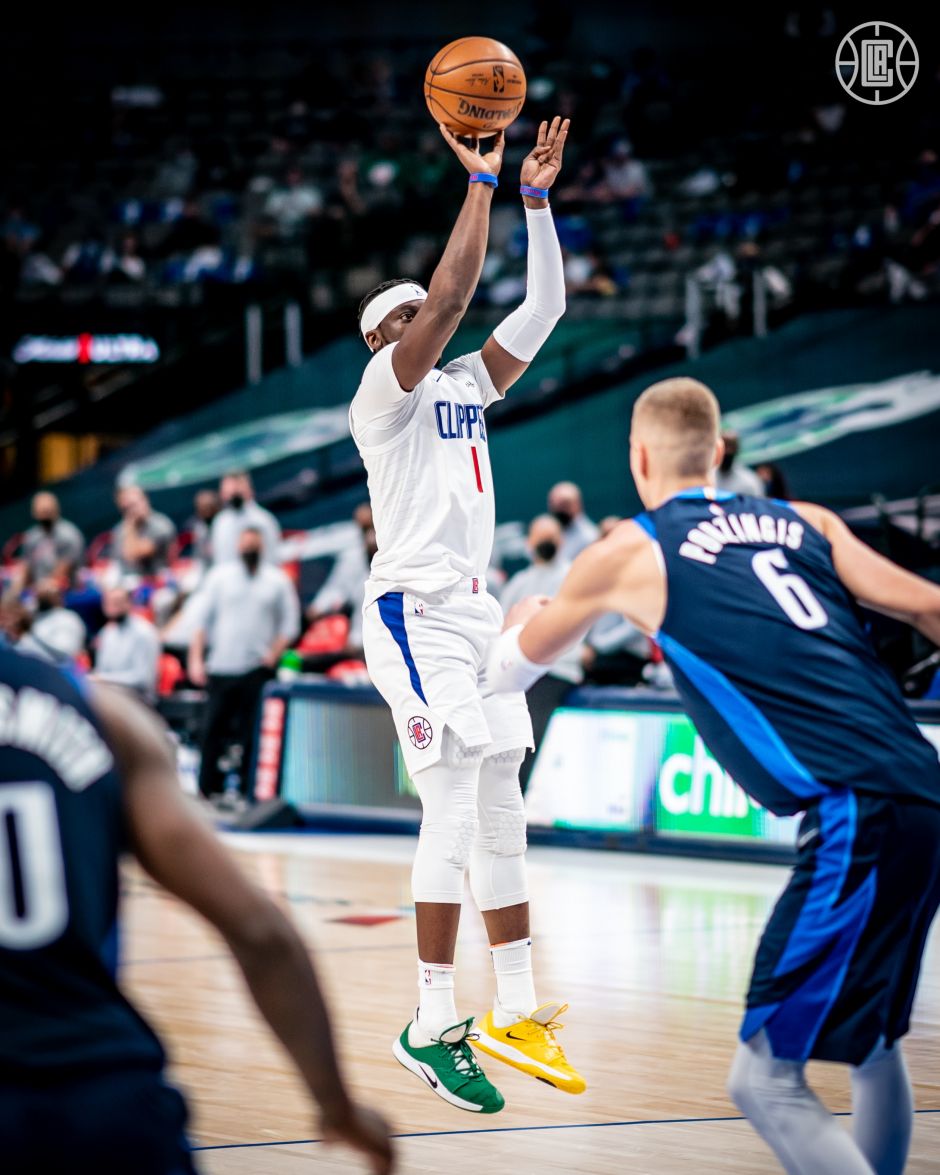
pixel 61 834
pixel 771 660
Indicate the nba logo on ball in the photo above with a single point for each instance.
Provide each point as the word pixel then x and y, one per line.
pixel 877 63
pixel 420 732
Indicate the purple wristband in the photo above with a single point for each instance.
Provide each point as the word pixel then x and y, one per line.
pixel 483 177
pixel 538 193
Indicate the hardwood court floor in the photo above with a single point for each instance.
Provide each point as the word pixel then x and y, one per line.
pixel 652 953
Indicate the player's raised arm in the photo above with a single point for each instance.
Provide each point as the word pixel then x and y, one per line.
pixel 419 348
pixel 618 574
pixel 183 854
pixel 516 341
pixel 874 580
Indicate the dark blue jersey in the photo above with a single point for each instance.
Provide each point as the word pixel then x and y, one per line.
pixel 771 658
pixel 61 834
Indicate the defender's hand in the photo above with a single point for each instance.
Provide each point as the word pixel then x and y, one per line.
pixel 365 1131
pixel 523 612
pixel 541 166
pixel 471 157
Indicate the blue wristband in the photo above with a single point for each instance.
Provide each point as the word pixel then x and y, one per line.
pixel 539 193
pixel 483 177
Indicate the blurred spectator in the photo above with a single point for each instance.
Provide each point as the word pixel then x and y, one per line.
pixel 774 479
pixel 589 273
pixel 578 531
pixel 294 203
pixel 194 243
pixel 81 261
pixel 625 179
pixel 124 263
pixel 128 647
pixel 55 633
pixel 734 477
pixel 608 524
pixel 544 578
pixel 54 547
pixel 142 540
pixel 344 588
pixel 38 268
pixel 247 615
pixel 206 506
pixel 240 511
pixel 19 231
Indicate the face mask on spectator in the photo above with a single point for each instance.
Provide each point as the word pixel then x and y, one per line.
pixel 120 618
pixel 237 500
pixel 47 524
pixel 546 550
pixel 563 517
pixel 727 461
pixel 251 559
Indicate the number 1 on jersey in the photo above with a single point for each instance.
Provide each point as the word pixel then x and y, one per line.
pixel 476 468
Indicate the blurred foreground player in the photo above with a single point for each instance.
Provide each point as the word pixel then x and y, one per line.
pixel 81 1074
pixel 753 602
pixel 428 620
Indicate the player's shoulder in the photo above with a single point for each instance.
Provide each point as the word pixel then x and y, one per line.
pixel 819 518
pixel 603 561
pixel 468 368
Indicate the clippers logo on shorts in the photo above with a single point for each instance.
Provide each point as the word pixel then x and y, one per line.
pixel 420 732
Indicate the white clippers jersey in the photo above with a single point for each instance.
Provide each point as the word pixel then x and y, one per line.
pixel 427 458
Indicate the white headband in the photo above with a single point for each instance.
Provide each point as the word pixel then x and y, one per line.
pixel 387 301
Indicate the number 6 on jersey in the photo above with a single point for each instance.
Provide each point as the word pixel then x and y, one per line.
pixel 792 593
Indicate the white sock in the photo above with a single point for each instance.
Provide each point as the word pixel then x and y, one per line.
pixel 515 987
pixel 436 1007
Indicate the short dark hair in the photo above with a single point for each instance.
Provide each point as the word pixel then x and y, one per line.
pixel 396 281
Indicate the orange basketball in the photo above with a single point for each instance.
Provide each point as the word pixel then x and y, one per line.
pixel 475 86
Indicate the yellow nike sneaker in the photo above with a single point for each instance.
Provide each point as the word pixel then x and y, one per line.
pixel 530 1046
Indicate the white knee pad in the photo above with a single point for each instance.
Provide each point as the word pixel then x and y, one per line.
pixel 448 793
pixel 497 863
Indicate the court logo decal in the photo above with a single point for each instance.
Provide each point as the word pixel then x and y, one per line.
pixel 420 732
pixel 877 63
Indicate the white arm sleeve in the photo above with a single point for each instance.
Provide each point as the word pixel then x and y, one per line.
pixel 527 328
pixel 508 670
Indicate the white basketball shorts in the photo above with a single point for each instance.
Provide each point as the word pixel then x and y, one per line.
pixel 426 656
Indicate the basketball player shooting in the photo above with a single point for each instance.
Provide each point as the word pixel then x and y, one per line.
pixel 428 620
pixel 753 602
pixel 82 777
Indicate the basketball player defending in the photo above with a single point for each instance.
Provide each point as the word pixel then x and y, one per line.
pixel 428 621
pixel 83 777
pixel 753 602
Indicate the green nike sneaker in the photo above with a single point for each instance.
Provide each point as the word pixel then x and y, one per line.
pixel 449 1067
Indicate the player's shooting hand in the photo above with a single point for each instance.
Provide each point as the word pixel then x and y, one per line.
pixel 541 166
pixel 523 612
pixel 471 156
pixel 365 1131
